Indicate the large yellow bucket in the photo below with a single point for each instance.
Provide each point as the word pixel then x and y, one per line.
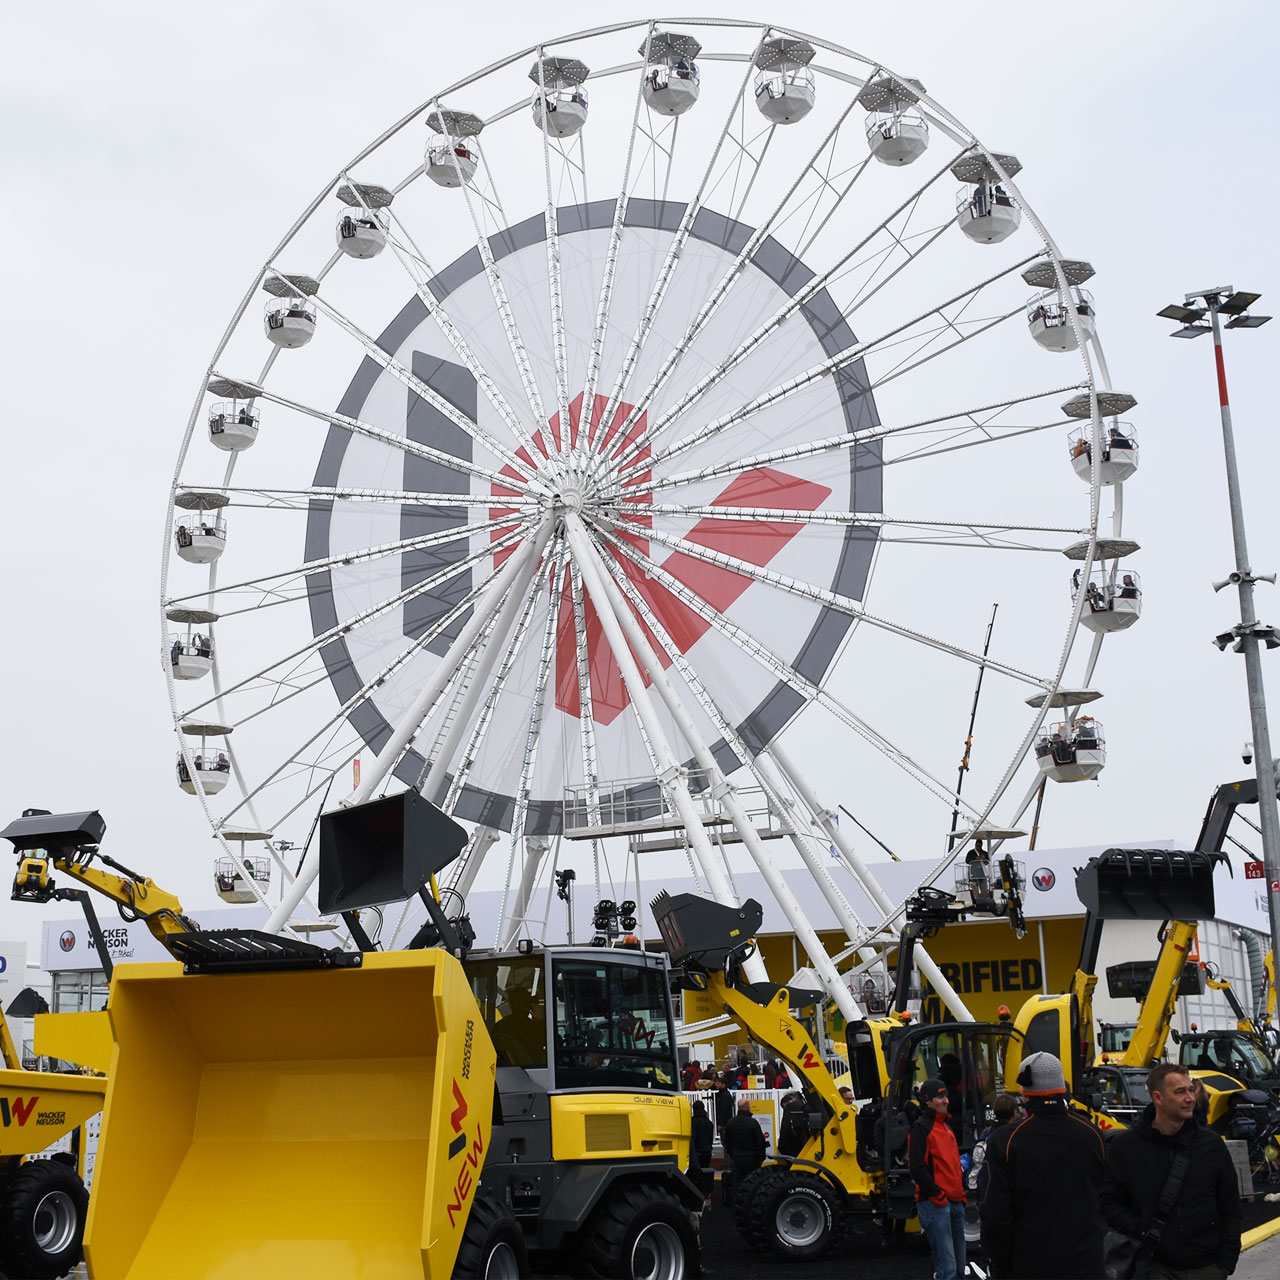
pixel 325 1124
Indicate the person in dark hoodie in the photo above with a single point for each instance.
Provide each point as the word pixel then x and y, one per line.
pixel 1040 1217
pixel 1200 1238
pixel 934 1159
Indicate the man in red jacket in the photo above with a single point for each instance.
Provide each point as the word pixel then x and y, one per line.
pixel 934 1159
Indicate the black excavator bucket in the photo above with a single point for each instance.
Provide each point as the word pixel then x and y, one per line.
pixel 1148 884
pixel 383 851
pixel 704 933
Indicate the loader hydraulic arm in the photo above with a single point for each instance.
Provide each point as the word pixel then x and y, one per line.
pixel 68 844
pixel 137 897
pixel 1158 1005
pixel 766 1018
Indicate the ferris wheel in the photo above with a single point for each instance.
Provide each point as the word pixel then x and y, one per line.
pixel 635 437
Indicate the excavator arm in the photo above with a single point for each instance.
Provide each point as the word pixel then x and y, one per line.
pixel 1160 1002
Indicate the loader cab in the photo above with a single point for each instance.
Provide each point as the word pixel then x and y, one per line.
pixel 888 1061
pixel 1232 1053
pixel 580 1018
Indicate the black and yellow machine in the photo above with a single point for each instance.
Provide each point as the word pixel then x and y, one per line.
pixel 853 1169
pixel 279 1108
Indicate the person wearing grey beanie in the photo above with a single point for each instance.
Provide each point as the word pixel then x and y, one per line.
pixel 1039 1208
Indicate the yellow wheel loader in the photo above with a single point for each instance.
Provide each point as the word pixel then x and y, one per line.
pixel 42 1201
pixel 276 1108
pixel 852 1172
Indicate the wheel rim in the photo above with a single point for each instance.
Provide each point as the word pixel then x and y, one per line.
pixel 503 1263
pixel 801 1221
pixel 658 1253
pixel 54 1222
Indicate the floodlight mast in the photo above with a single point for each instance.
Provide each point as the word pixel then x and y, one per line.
pixel 1250 634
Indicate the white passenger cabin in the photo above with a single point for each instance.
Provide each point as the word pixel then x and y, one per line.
pixel 231 877
pixel 1113 599
pixel 1071 751
pixel 233 425
pixel 212 770
pixel 1049 318
pixel 201 536
pixel 361 233
pixel 986 213
pixel 190 655
pixel 896 133
pixel 452 160
pixel 560 103
pixel 290 322
pixel 1119 454
pixel 785 89
pixel 671 77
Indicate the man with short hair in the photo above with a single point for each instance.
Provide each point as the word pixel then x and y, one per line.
pixel 934 1159
pixel 744 1141
pixel 1200 1236
pixel 1040 1217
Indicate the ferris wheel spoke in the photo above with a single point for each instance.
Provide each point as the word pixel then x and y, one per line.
pixel 994 432
pixel 367 689
pixel 415 384
pixel 526 475
pixel 802 841
pixel 672 257
pixel 561 430
pixel 826 368
pixel 480 730
pixel 355 556
pixel 596 354
pixel 721 290
pixel 586 712
pixel 349 625
pixel 453 335
pixel 533 735
pixel 498 292
pixel 811 692
pixel 792 515
pixel 300 499
pixel 820 595
pixel 792 307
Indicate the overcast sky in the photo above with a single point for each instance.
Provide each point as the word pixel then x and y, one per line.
pixel 156 152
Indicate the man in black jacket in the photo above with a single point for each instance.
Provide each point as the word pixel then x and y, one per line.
pixel 1200 1239
pixel 1040 1217
pixel 744 1142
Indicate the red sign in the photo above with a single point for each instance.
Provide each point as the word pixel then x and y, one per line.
pixel 1253 871
pixel 1275 886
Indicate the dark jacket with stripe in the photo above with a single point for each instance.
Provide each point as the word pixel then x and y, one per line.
pixel 1039 1207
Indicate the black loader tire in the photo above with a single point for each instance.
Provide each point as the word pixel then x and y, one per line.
pixel 745 1196
pixel 643 1231
pixel 753 1224
pixel 42 1220
pixel 797 1216
pixel 492 1245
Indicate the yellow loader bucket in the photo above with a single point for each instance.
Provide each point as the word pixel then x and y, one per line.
pixel 327 1124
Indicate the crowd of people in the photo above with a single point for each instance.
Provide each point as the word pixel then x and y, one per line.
pixel 1058 1202
pixel 1057 1199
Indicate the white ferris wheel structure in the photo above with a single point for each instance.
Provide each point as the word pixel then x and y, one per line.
pixel 635 441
